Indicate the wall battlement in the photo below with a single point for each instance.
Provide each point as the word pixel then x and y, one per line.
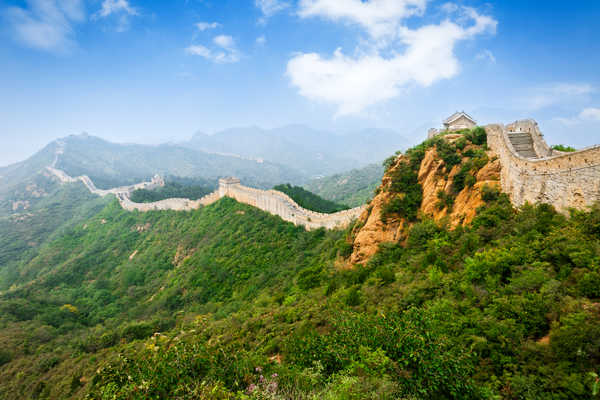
pixel 564 180
pixel 272 201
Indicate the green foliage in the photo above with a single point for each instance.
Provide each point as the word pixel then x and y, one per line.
pixel 405 185
pixel 477 136
pixel 169 190
pixel 353 188
pixel 423 365
pixel 310 278
pixel 562 147
pixel 309 200
pixel 489 193
pixel 228 302
pixel 444 200
pixel 589 284
pixel 448 153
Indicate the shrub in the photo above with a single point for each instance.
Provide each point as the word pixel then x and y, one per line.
pixel 444 201
pixel 422 232
pixel 310 278
pixel 589 285
pixel 562 147
pixel 477 135
pixel 5 357
pixel 489 193
pixel 352 297
pixel 448 153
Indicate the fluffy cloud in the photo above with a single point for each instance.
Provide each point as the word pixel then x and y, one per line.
pixel 46 24
pixel 271 7
pixel 225 50
pixel 224 41
pixel 204 26
pixel 121 10
pixel 376 74
pixel 261 40
pixel 378 17
pixel 116 6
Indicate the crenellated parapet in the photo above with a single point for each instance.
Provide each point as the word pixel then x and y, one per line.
pixel 564 180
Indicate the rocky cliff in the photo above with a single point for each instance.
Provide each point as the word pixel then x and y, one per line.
pixel 442 179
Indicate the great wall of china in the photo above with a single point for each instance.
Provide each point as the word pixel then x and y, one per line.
pixel 531 172
pixel 272 201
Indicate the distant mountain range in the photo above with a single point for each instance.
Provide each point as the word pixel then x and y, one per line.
pixel 311 152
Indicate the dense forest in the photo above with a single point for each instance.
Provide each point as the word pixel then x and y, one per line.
pixel 309 200
pixel 229 302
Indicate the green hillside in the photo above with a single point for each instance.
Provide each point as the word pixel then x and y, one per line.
pixel 230 302
pixel 309 200
pixel 353 188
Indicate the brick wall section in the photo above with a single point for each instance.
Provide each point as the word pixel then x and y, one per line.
pixel 563 180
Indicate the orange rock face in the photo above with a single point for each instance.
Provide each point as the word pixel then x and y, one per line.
pixel 372 231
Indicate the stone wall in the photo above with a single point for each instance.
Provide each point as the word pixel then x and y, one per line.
pixel 272 201
pixel 564 180
pixel 280 204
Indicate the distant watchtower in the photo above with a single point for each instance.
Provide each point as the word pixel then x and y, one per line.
pixel 226 183
pixel 456 122
pixel 459 121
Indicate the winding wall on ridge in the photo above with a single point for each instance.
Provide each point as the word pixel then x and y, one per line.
pixel 564 180
pixel 271 201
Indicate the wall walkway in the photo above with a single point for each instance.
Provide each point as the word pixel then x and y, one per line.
pixel 564 180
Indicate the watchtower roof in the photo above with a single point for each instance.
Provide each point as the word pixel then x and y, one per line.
pixel 457 115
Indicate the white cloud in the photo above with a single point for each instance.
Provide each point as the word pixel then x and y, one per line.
pixel 198 50
pixel 261 40
pixel 555 94
pixel 352 83
pixel 116 6
pixel 378 17
pixel 486 55
pixel 203 26
pixel 271 7
pixel 224 41
pixel 46 24
pixel 590 114
pixel 121 10
pixel 225 52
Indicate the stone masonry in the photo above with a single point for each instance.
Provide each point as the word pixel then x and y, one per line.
pixel 533 172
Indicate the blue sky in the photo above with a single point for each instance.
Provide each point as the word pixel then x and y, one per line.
pixel 154 71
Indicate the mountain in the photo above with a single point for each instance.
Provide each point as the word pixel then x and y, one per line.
pixel 111 164
pixel 353 188
pixel 441 290
pixel 313 152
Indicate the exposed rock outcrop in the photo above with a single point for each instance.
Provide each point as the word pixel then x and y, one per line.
pixel 434 177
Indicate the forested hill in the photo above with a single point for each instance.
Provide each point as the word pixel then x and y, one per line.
pixel 309 200
pixel 353 188
pixel 230 302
